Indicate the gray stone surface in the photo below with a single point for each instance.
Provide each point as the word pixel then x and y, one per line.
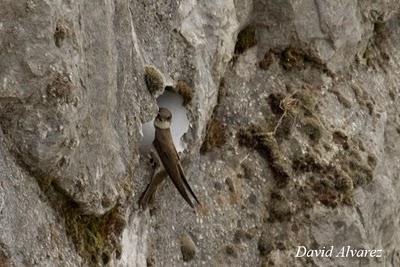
pixel 73 98
pixel 62 105
pixel 32 234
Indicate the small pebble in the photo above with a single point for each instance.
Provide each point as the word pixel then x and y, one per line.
pixel 188 247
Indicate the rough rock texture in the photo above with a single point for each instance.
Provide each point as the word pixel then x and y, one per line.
pixel 31 232
pixel 294 131
pixel 70 92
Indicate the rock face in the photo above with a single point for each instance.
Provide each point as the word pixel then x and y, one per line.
pixel 70 92
pixel 293 140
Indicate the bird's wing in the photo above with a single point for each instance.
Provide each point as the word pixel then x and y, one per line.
pixel 186 182
pixel 170 159
pixel 183 176
pixel 148 194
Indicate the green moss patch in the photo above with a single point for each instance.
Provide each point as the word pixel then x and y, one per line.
pixel 95 238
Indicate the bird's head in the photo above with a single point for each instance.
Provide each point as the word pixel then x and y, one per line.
pixel 163 119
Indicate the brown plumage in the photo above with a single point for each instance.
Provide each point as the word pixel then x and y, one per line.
pixel 169 158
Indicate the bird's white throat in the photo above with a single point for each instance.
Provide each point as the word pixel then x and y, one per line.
pixel 162 124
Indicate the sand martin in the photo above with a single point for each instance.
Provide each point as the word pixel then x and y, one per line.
pixel 168 156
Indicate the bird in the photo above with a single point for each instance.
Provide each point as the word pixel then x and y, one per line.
pixel 168 156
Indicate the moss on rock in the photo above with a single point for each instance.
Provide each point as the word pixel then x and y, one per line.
pixel 185 91
pixel 95 238
pixel 153 78
pixel 246 39
pixel 292 58
pixel 280 209
pixel 330 180
pixel 313 129
pixel 215 136
pixel 266 144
